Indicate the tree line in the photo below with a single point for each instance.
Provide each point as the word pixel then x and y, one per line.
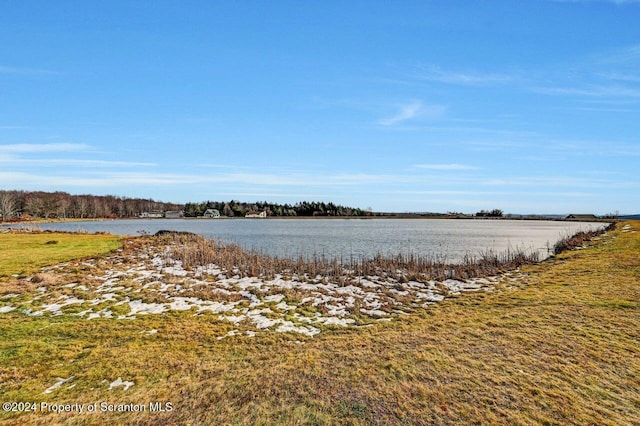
pixel 303 208
pixel 492 213
pixel 51 205
pixel 15 205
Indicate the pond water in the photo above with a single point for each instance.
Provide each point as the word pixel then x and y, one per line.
pixel 447 240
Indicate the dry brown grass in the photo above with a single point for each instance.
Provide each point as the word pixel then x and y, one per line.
pixel 579 239
pixel 193 251
pixel 560 346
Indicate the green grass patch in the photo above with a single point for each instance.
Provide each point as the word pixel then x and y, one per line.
pixel 25 253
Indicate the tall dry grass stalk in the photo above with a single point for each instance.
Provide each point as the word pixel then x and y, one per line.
pixel 570 242
pixel 193 250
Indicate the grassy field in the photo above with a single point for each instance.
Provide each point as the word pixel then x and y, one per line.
pixel 24 253
pixel 559 345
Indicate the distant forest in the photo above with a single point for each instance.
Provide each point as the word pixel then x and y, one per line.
pixel 51 205
pixel 304 208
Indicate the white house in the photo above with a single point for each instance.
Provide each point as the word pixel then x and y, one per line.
pixel 154 214
pixel 261 214
pixel 212 213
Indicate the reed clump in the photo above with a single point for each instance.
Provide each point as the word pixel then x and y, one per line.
pixel 571 242
pixel 189 248
pixel 195 251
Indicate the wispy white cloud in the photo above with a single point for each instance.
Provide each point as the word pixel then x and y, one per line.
pixel 463 78
pixel 497 193
pixel 560 181
pixel 25 71
pixel 22 155
pixel 594 147
pixel 56 162
pixel 625 55
pixel 453 166
pixel 112 179
pixel 595 109
pixel 412 110
pixel 45 147
pixel 599 91
pixel 620 76
pixel 407 112
pixel 296 179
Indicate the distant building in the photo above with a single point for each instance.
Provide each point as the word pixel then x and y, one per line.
pixel 211 213
pixel 582 216
pixel 154 214
pixel 174 214
pixel 262 214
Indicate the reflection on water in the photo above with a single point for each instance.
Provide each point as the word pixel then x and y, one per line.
pixel 447 240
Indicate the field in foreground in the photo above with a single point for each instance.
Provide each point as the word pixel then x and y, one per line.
pixel 24 253
pixel 556 343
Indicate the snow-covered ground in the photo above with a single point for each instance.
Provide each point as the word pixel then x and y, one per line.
pixel 146 280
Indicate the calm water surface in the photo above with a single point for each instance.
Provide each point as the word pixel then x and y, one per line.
pixel 448 240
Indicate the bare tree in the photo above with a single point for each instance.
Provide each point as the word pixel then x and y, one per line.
pixel 7 205
pixel 64 205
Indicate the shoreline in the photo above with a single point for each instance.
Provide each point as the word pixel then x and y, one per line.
pixel 170 255
pixel 174 272
pixel 181 340
pixel 374 217
pixel 484 255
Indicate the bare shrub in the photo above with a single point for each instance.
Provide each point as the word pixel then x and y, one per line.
pixel 570 242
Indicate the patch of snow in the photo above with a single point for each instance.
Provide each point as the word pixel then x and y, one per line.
pixel 217 307
pixel 274 298
pixel 181 304
pixel 283 306
pixel 59 382
pixel 374 312
pixel 431 297
pixel 344 322
pixel 119 382
pixel 288 326
pixel 255 301
pixel 139 307
pixel 230 334
pixel 175 270
pixel 415 284
pixel 10 295
pixel 336 310
pixel 105 313
pixel 260 320
pixel 367 283
pixel 236 319
pixel 350 290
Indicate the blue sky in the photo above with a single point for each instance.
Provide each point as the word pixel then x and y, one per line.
pixel 527 106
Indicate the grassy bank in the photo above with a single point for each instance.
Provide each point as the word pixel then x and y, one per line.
pixel 23 253
pixel 557 345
